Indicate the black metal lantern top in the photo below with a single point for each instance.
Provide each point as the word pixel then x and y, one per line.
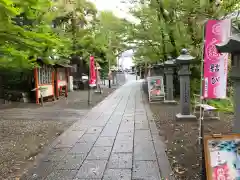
pixel 157 69
pixel 231 45
pixel 159 64
pixel 170 62
pixel 184 57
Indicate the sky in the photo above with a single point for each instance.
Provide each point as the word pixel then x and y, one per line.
pixel 120 10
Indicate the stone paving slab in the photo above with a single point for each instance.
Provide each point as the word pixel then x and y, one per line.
pixel 71 162
pixel 105 141
pixel 121 174
pixel 120 161
pixel 116 140
pixel 148 170
pixel 92 169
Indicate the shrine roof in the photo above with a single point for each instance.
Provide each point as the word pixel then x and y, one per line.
pixel 231 45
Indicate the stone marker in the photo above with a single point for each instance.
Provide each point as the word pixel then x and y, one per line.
pixel 169 70
pixel 184 73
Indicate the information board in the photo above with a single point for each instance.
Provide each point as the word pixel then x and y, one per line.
pixel 156 88
pixel 222 156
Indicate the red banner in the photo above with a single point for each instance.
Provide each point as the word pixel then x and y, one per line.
pixel 92 81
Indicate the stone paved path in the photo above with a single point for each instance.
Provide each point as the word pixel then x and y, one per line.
pixel 116 140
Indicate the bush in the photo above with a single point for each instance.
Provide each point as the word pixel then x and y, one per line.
pixel 225 105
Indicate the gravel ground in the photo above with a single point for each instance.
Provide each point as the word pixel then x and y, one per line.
pixel 181 139
pixel 26 128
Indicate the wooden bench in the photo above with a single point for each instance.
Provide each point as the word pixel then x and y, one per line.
pixel 212 111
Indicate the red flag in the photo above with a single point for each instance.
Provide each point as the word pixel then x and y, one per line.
pixel 92 81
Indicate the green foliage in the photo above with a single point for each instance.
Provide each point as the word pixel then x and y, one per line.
pixel 167 26
pixel 109 33
pixel 55 31
pixel 20 41
pixel 224 105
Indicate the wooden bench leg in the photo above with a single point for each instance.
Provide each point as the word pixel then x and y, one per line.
pixel 218 114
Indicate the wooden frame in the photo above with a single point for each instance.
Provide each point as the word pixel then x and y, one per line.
pixel 215 137
pixel 48 84
pixel 38 84
pixel 61 83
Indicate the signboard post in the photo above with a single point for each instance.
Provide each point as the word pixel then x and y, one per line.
pixel 98 80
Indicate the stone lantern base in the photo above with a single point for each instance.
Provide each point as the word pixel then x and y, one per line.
pixel 170 102
pixel 190 117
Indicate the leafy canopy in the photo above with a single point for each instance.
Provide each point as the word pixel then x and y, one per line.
pixel 57 31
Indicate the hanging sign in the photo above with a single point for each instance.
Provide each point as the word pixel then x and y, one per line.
pixel 215 64
pixel 222 157
pixel 92 80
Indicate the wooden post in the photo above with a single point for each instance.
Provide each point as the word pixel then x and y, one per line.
pixel 41 97
pixel 66 88
pixel 36 84
pixel 57 92
pixel 53 84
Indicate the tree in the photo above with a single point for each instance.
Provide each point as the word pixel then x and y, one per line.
pixel 47 29
pixel 167 26
pixel 20 40
pixel 110 32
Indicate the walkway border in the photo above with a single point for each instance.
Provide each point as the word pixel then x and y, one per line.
pixel 159 146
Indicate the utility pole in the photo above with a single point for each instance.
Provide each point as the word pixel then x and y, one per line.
pixel 117 69
pixel 109 74
pixel 136 71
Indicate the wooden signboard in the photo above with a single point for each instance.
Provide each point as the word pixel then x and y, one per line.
pixel 222 157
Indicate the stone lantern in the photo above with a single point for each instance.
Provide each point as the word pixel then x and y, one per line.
pixel 169 66
pixel 184 73
pixel 157 70
pixel 232 45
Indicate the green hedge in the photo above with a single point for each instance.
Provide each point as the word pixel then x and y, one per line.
pixel 225 105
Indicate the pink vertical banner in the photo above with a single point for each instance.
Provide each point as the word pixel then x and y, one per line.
pixel 92 81
pixel 215 64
